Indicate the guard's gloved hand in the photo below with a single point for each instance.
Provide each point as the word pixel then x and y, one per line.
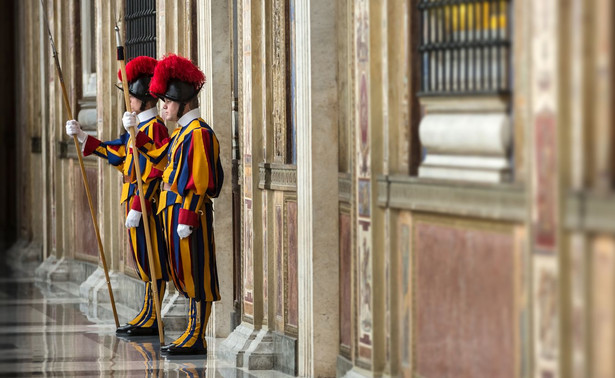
pixel 129 119
pixel 183 230
pixel 133 219
pixel 74 128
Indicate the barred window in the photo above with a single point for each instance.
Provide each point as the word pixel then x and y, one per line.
pixel 465 47
pixel 140 28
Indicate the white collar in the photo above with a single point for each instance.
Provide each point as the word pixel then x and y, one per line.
pixel 189 117
pixel 147 114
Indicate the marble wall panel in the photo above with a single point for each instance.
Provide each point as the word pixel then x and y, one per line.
pixel 279 266
pixel 248 258
pixel 345 284
pixel 545 124
pixel 365 290
pixel 546 175
pixel 84 235
pixel 404 290
pixel 245 96
pixel 265 260
pixel 292 300
pixel 545 320
pixel 465 321
pixel 362 184
pixel 603 306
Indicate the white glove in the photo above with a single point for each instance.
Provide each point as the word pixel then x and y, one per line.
pixel 74 128
pixel 183 230
pixel 133 219
pixel 130 120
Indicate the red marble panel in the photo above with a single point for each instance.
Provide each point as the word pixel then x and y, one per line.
pixel 248 277
pixel 545 224
pixel 404 272
pixel 279 267
pixel 345 282
pixel 292 285
pixel 85 243
pixel 464 302
pixel 265 261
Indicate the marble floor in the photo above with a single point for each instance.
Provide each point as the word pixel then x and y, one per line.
pixel 44 333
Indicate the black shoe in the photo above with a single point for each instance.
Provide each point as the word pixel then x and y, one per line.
pixel 122 330
pixel 165 348
pixel 195 349
pixel 142 331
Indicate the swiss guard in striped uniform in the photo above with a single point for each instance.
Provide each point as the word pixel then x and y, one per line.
pixel 118 153
pixel 192 177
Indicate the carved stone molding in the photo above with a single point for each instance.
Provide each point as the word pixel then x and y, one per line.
pixel 590 212
pixel 345 187
pixel 275 176
pixel 503 202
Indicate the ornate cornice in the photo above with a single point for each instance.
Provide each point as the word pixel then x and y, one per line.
pixel 504 202
pixel 277 176
pixel 590 212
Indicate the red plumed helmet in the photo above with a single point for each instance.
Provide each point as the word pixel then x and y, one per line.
pixel 141 65
pixel 177 79
pixel 139 72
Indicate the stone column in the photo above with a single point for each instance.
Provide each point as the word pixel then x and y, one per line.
pixel 249 344
pixel 317 178
pixel 216 107
pixel 27 125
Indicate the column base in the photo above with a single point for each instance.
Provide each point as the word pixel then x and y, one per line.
pixel 285 349
pixel 174 310
pixel 344 365
pixel 259 355
pixel 235 345
pixel 235 320
pixel 23 255
pixel 249 348
pixel 356 372
pixel 95 299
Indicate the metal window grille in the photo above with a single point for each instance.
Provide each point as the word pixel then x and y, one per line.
pixel 140 28
pixel 465 47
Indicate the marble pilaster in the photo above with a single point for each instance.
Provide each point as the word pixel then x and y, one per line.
pixel 216 104
pixel 317 178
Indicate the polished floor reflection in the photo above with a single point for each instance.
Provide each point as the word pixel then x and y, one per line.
pixel 44 333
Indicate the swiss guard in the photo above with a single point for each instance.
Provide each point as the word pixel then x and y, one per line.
pixel 192 177
pixel 118 153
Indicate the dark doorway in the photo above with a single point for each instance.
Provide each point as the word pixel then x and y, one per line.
pixel 8 201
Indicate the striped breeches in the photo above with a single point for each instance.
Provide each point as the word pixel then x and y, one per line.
pixel 138 245
pixel 192 260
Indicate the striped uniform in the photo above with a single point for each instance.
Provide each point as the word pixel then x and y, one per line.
pixel 119 154
pixel 193 172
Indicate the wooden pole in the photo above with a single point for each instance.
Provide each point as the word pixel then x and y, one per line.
pixel 83 174
pixel 137 170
